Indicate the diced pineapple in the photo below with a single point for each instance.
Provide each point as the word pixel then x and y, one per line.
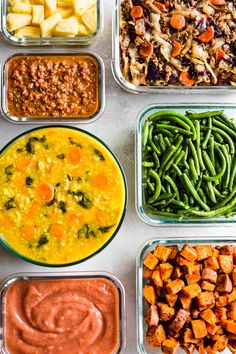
pixel 67 27
pixel 37 2
pixel 37 14
pixel 50 7
pixel 48 25
pixel 22 8
pixel 82 6
pixel 14 2
pixel 89 18
pixel 28 32
pixel 65 11
pixel 83 31
pixel 65 3
pixel 9 9
pixel 16 21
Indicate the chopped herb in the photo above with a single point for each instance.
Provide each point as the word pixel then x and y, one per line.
pixel 29 181
pixel 79 180
pixel 86 232
pixel 58 184
pixel 99 155
pixel 62 206
pixel 43 240
pixel 70 178
pixel 19 150
pixel 105 229
pixel 43 139
pixel 46 146
pixel 73 142
pixel 84 201
pixel 30 145
pixel 53 201
pixel 61 156
pixel 9 171
pixel 10 204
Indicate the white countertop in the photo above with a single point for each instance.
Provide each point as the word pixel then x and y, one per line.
pixel 116 127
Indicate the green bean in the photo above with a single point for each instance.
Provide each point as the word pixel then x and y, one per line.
pixel 174 119
pixel 161 142
pixel 158 187
pixel 211 192
pixel 223 167
pixel 228 198
pixel 151 141
pixel 216 212
pixel 227 120
pixel 148 164
pixel 208 163
pixel 151 187
pixel 165 196
pixel 208 134
pixel 145 133
pixel 193 169
pixel 228 167
pixel 176 154
pixel 179 204
pixel 166 158
pixel 198 142
pixel 186 152
pixel 193 192
pixel 186 165
pixel 205 114
pixel 195 157
pixel 166 132
pixel 167 141
pixel 202 195
pixel 175 129
pixel 179 158
pixel 173 185
pixel 185 199
pixel 226 136
pixel 212 150
pixel 224 127
pixel 156 159
pixel 164 213
pixel 233 174
pixel 218 138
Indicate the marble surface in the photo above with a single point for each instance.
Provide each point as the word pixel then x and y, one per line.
pixel 117 127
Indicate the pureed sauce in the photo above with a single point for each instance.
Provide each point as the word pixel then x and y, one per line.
pixel 52 87
pixel 69 316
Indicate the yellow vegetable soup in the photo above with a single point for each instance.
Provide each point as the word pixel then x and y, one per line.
pixel 62 195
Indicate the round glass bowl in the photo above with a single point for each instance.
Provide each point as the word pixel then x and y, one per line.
pixel 63 196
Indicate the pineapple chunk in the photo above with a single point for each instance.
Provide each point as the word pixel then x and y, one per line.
pixel 65 11
pixel 37 2
pixel 50 7
pixel 16 21
pixel 22 8
pixel 14 2
pixel 27 32
pixel 38 14
pixel 48 25
pixel 89 18
pixel 82 6
pixel 65 3
pixel 67 27
pixel 83 31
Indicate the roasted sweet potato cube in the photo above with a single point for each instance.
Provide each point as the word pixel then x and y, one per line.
pixel 175 286
pixel 234 276
pixel 147 273
pixel 209 275
pixel 185 301
pixel 182 261
pixel 169 346
pixel 191 268
pixel 227 249
pixel 224 284
pixel 156 277
pixel 174 252
pixel 220 343
pixel 177 272
pixel 192 290
pixel 152 317
pixel 232 312
pixel 224 323
pixel 205 299
pixel 166 313
pixel 150 261
pixel 226 263
pixel 201 349
pixel 211 328
pixel 166 270
pixel 194 277
pixel 171 299
pixel 189 253
pixel 208 316
pixel 156 335
pixel 162 253
pixel 215 252
pixel 222 301
pixel 203 252
pixel 189 348
pixel 189 337
pixel 212 263
pixel 205 285
pixel 220 313
pixel 199 328
pixel 179 321
pixel 149 294
pixel 232 297
pixel 231 327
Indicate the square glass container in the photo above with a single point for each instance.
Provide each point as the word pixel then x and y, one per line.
pixel 142 211
pixel 65 276
pixel 141 304
pixel 50 40
pixel 128 86
pixel 43 52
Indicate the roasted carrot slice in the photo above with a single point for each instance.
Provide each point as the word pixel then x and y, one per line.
pixel 22 163
pixel 28 231
pixel 185 79
pixel 75 218
pixel 176 49
pixel 74 155
pixel 57 230
pixel 218 2
pixel 44 192
pixel 208 35
pixel 177 21
pixel 219 54
pixel 146 49
pixel 136 12
pixel 100 181
pixel 160 6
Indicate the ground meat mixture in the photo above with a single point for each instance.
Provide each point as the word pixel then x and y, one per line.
pixel 46 86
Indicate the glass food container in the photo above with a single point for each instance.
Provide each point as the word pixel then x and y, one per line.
pixel 128 86
pixel 142 211
pixel 51 40
pixel 43 53
pixel 141 304
pixel 108 277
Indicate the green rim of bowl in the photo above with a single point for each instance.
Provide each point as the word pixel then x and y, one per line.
pixel 17 254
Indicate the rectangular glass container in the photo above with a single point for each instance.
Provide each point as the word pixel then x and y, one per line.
pixel 60 276
pixel 142 211
pixel 141 304
pixel 128 86
pixel 51 120
pixel 50 40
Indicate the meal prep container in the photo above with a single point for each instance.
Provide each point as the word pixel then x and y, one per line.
pixel 14 252
pixel 51 40
pixel 128 86
pixel 144 214
pixel 141 305
pixel 60 276
pixel 34 52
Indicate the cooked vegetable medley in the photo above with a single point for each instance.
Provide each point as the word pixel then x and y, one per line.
pixel 189 164
pixel 178 42
pixel 191 294
pixel 62 195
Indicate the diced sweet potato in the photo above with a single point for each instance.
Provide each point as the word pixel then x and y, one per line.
pixel 205 285
pixel 220 313
pixel 192 290
pixel 171 299
pixel 191 268
pixel 179 321
pixel 175 286
pixel 212 263
pixel 152 317
pixel 224 284
pixel 194 277
pixel 226 263
pixel 211 328
pixel 232 297
pixel 166 313
pixel 222 301
pixel 156 335
pixel 199 328
pixel 149 294
pixel 189 337
pixel 203 252
pixel 189 253
pixel 177 272
pixel 169 346
pixel 208 316
pixel 232 312
pixel 234 276
pixel 185 301
pixel 189 348
pixel 231 327
pixel 174 252
pixel 147 273
pixel 201 348
pixel 162 253
pixel 156 277
pixel 182 261
pixel 220 343
pixel 215 252
pixel 227 249
pixel 150 261
pixel 206 299
pixel 209 275
pixel 166 270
